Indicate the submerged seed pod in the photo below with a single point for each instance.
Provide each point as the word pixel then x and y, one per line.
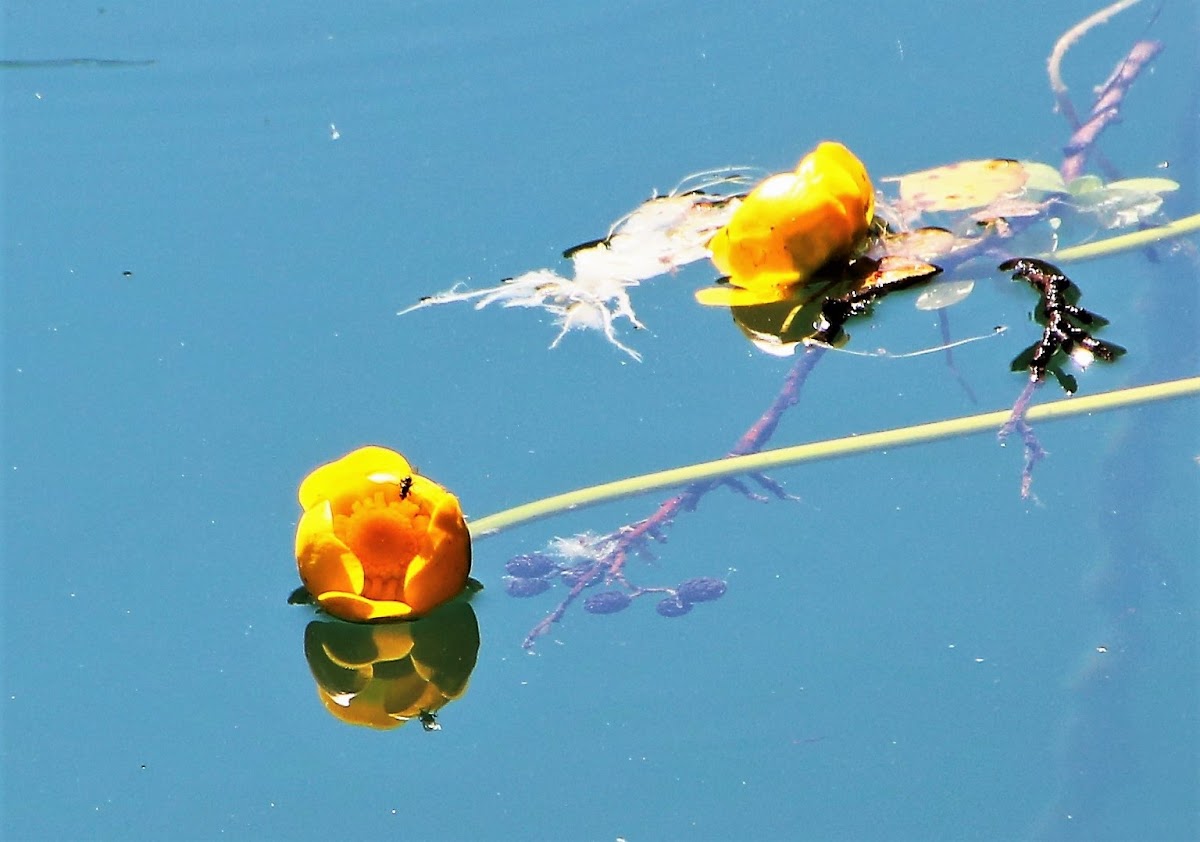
pixel 702 589
pixel 521 587
pixel 673 606
pixel 529 566
pixel 606 602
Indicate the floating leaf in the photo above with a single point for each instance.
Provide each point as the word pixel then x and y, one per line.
pixel 1119 208
pixel 1008 208
pixel 1043 178
pixel 1085 184
pixel 961 186
pixel 944 294
pixel 301 596
pixel 921 244
pixel 1144 185
pixel 894 271
pixel 1123 203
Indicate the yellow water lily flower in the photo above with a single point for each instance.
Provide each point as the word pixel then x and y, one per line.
pixel 377 541
pixel 794 223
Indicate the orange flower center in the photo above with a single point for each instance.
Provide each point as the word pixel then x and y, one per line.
pixel 385 533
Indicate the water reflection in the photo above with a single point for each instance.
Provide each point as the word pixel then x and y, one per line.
pixel 386 674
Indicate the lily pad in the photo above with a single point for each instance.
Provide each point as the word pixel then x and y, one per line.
pixel 922 244
pixel 893 271
pixel 1008 208
pixel 944 294
pixel 1144 185
pixel 1085 184
pixel 1043 178
pixel 961 186
pixel 1123 203
pixel 1117 208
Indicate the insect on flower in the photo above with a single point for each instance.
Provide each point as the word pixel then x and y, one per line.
pixel 429 720
pixel 378 541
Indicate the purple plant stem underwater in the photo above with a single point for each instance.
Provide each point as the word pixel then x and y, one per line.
pixel 1106 109
pixel 634 537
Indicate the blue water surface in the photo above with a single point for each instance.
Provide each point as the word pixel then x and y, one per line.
pixel 204 250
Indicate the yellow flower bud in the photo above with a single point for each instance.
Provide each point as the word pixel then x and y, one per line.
pixel 377 541
pixel 794 223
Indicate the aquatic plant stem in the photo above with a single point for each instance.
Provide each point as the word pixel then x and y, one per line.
pixel 832 448
pixel 1068 40
pixel 1126 242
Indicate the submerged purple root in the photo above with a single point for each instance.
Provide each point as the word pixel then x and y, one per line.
pixel 634 538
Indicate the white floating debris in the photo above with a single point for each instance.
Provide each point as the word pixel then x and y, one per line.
pixel 661 235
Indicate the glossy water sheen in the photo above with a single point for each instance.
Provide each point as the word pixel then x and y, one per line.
pixel 199 289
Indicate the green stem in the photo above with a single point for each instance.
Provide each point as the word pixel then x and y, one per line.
pixel 1125 242
pixel 780 457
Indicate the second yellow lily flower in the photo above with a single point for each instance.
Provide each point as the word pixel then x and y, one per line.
pixel 792 224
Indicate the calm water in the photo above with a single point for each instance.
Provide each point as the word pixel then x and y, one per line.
pixel 202 261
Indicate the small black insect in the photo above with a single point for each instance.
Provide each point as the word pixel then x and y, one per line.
pixel 429 720
pixel 405 487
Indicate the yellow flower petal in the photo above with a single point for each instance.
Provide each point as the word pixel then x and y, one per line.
pixel 392 642
pixel 404 690
pixel 350 606
pixel 325 563
pixel 371 463
pixel 441 575
pixel 792 224
pixel 728 295
pixel 411 701
pixel 365 708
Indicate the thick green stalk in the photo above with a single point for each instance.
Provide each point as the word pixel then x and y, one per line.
pixel 1125 242
pixel 784 456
